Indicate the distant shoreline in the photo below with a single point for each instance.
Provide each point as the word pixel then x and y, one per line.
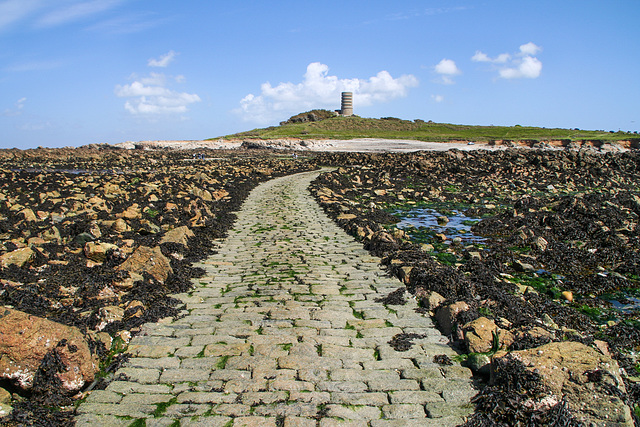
pixel 374 145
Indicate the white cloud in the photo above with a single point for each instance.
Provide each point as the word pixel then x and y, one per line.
pixel 524 65
pixel 447 68
pixel 318 89
pixel 529 68
pixel 149 96
pixel 437 98
pixel 480 57
pixel 163 61
pixel 529 49
pixel 483 57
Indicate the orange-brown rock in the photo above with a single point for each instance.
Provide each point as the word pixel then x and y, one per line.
pixel 479 335
pixel 26 339
pixel 180 235
pixel 150 260
pixel 19 257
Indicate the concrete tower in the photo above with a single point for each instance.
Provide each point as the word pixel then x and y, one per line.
pixel 347 104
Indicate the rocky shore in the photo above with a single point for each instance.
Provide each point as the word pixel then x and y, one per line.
pixel 530 308
pixel 93 242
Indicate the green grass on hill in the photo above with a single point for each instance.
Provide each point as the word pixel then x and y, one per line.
pixel 393 128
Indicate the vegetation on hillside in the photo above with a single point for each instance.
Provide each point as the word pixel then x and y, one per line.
pixel 337 127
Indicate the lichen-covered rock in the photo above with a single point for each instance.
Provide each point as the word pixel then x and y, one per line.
pixel 25 340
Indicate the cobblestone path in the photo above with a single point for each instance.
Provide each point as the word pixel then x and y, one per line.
pixel 285 330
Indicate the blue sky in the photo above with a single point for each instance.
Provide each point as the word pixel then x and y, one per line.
pixel 76 72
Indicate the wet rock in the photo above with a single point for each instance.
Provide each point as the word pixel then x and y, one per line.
pixel 5 409
pixel 27 339
pixel 219 194
pixel 590 380
pixel 149 260
pixel 83 238
pixel 523 267
pixel 442 220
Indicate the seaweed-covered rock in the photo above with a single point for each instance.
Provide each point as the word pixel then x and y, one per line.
pixel 25 340
pixel 588 379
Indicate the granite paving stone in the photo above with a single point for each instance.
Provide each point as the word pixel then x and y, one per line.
pixel 286 328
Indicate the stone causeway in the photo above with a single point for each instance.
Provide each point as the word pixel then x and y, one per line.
pixel 286 329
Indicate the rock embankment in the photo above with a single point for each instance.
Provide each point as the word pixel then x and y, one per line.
pixel 561 241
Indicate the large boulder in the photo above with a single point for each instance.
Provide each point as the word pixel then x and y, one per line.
pixel 25 340
pixel 588 379
pixel 149 260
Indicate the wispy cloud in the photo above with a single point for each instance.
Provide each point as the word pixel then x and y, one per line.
pixel 76 11
pixel 318 89
pixel 437 98
pixel 33 66
pixel 447 68
pixel 16 110
pixel 163 61
pixel 45 14
pixel 128 24
pixel 522 64
pixel 12 11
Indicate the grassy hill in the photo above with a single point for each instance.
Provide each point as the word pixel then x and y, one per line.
pixel 393 128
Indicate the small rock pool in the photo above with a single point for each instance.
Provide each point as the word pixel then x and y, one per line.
pixel 453 223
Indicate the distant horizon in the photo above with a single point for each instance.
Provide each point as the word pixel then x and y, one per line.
pixel 80 72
